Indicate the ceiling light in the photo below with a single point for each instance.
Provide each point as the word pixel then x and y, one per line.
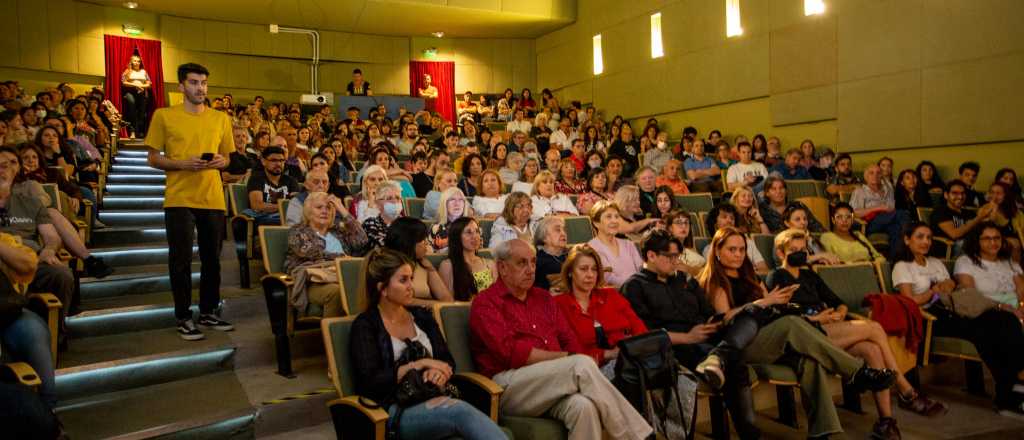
pixel 437 34
pixel 131 5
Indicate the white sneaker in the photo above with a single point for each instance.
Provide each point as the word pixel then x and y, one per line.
pixel 188 331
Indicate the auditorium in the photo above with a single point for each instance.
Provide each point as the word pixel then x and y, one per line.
pixel 512 219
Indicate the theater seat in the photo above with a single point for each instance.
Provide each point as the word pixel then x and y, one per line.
pixel 282 210
pixel 414 207
pixel 243 229
pixel 20 372
pixel 454 321
pixel 351 277
pixel 695 202
pixel 578 229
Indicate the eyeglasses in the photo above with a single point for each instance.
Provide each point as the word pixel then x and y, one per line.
pixel 681 222
pixel 844 216
pixel 670 255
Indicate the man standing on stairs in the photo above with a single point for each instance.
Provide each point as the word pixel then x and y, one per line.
pixel 194 141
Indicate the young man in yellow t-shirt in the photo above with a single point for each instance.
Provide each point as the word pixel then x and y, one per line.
pixel 194 141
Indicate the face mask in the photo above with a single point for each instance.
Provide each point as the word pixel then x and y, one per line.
pixel 662 145
pixel 392 209
pixel 594 163
pixel 41 114
pixel 534 156
pixel 797 259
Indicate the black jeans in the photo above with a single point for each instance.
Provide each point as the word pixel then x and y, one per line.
pixel 136 111
pixel 181 225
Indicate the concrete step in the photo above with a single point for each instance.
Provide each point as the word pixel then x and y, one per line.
pixel 153 179
pixel 135 190
pixel 136 343
pixel 132 202
pixel 134 160
pixel 120 284
pixel 134 169
pixel 122 236
pixel 129 152
pixel 132 217
pixel 136 255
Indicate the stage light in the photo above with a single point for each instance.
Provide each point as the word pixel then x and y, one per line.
pixel 437 34
pixel 131 5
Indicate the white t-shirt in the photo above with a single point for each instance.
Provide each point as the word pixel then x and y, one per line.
pixel 398 345
pixel 752 252
pixel 523 187
pixel 739 171
pixel 921 278
pixel 523 126
pixel 993 279
pixel 488 205
pixel 543 206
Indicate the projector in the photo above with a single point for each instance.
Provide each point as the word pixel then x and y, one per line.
pixel 317 99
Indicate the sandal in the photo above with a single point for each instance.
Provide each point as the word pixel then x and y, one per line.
pixel 923 405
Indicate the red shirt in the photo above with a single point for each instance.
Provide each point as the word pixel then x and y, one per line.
pixel 677 185
pixel 607 307
pixel 503 329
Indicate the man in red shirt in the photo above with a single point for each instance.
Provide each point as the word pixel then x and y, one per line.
pixel 520 339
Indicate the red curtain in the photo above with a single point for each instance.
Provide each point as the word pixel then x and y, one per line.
pixel 442 76
pixel 117 50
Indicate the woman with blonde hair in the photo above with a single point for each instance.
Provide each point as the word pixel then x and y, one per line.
pixel 490 201
pixel 628 199
pixel 546 200
pixel 362 205
pixel 453 206
pixel 749 219
pixel 388 204
pixel 443 179
pixel 515 221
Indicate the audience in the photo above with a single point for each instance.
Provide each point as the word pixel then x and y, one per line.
pixel 969 176
pixel 930 179
pixel 792 168
pixel 724 216
pixel 775 203
pixel 845 242
pixel 748 218
pixel 951 221
pixel 616 253
pixel 464 272
pixel 875 204
pixel 746 172
pixel 409 236
pixel 515 221
pixel 444 180
pixel 552 248
pixel 670 177
pixel 387 203
pixel 844 181
pixel 268 187
pixel 546 200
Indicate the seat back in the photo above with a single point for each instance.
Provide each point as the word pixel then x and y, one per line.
pixel 884 271
pixel 766 246
pixel 454 321
pixel 699 243
pixel 239 198
pixel 414 207
pixel 436 259
pixel 578 229
pixel 54 194
pixel 851 282
pixel 485 230
pixel 336 333
pixel 275 247
pixel 819 209
pixel 282 210
pixel 796 189
pixel 925 215
pixel 696 226
pixel 696 202
pixel 351 276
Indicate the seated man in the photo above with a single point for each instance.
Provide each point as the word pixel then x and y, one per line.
pixel 701 170
pixel 969 175
pixel 790 169
pixel 875 204
pixel 267 187
pixel 746 172
pixel 240 164
pixel 843 180
pixel 670 177
pixel 953 222
pixel 520 339
pixel 775 203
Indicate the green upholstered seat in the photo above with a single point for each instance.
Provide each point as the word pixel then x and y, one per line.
pixel 436 259
pixel 766 246
pixel 578 230
pixel 696 202
pixel 414 207
pixel 337 331
pixel 275 247
pixel 851 282
pixel 282 210
pixel 699 243
pixel 239 198
pixel 52 191
pixel 350 271
pixel 696 227
pixel 796 189
pixel 485 230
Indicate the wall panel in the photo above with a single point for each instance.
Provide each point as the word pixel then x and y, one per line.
pixel 880 112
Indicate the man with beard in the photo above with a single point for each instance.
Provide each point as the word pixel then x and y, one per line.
pixel 267 187
pixel 191 142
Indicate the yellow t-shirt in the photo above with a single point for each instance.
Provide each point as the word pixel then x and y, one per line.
pixel 20 281
pixel 179 135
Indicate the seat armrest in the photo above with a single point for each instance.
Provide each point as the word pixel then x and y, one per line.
pixel 929 321
pixel 21 372
pixel 53 306
pixel 353 419
pixel 480 392
pixel 282 278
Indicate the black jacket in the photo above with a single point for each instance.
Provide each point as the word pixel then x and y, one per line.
pixel 676 305
pixel 375 373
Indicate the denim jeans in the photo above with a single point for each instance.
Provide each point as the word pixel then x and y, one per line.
pixel 890 223
pixel 182 225
pixel 264 218
pixel 88 193
pixel 27 339
pixel 442 418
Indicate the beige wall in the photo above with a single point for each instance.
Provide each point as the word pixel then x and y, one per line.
pixel 913 78
pixel 55 37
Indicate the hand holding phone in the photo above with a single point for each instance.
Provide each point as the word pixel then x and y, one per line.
pixel 207 157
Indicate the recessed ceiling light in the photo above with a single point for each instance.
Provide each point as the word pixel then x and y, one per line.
pixel 437 34
pixel 131 5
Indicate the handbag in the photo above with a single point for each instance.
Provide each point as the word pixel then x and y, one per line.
pixel 967 302
pixel 413 389
pixel 648 374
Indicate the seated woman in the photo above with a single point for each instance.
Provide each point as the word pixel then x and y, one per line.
pixel 381 156
pixel 453 206
pixel 724 215
pixel 388 204
pixel 472 170
pixel 986 265
pixel 732 287
pixel 664 202
pixel 465 272
pixel 362 205
pixel 382 339
pixel 617 253
pixel 1007 216
pixel 409 236
pixel 864 339
pixel 531 168
pixel 489 202
pixel 312 248
pixel 614 167
pixel 597 189
pixel 627 198
pixel 499 155
pixel 513 167
pixel 546 200
pixel 443 180
pixel 748 217
pixel 996 333
pixel 845 242
pixel 587 305
pixel 798 217
pixel 910 194
pixel 516 220
pixel 551 243
pixel 567 182
pixel 25 337
pixel 678 223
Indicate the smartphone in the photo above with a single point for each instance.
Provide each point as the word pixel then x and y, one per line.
pixel 207 157
pixel 716 318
